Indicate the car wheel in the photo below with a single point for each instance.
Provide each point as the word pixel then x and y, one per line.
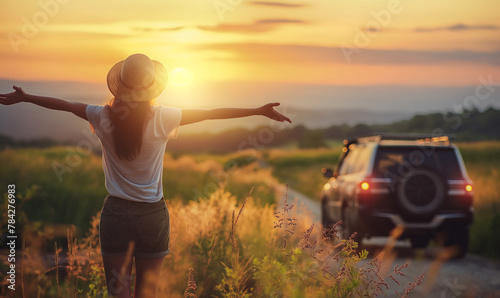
pixel 419 242
pixel 457 239
pixel 421 192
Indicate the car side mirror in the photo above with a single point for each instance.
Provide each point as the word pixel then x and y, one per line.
pixel 328 173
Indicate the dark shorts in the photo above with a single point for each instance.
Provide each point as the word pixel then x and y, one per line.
pixel 147 225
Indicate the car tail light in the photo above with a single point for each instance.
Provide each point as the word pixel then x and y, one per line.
pixel 468 187
pixel 365 185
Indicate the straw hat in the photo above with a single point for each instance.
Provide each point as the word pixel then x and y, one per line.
pixel 137 78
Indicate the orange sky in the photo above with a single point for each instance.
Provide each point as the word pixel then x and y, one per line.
pixel 321 42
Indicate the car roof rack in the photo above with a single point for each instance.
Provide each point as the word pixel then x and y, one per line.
pixel 401 139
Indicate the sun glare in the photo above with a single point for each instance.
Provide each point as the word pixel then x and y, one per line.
pixel 181 76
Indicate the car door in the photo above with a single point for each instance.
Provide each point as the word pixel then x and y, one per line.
pixel 344 180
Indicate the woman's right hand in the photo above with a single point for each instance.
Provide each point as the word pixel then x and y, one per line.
pixel 269 111
pixel 14 97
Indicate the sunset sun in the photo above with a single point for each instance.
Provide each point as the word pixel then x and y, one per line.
pixel 181 76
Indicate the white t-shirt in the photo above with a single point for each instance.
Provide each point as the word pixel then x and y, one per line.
pixel 138 180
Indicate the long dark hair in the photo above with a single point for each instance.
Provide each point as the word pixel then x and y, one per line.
pixel 128 120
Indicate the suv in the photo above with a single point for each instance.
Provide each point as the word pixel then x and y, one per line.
pixel 415 182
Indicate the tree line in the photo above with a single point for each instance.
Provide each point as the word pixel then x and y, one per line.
pixel 468 125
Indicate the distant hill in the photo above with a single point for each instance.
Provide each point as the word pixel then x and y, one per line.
pixel 314 106
pixel 469 125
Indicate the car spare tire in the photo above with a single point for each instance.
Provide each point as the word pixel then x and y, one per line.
pixel 421 192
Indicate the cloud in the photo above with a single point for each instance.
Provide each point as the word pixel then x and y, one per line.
pixel 427 57
pixel 158 29
pixel 263 25
pixel 458 27
pixel 278 21
pixel 373 29
pixel 267 53
pixel 277 4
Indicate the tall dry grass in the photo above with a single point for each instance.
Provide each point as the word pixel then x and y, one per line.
pixel 220 246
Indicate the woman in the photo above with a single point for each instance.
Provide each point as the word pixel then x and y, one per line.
pixel 133 133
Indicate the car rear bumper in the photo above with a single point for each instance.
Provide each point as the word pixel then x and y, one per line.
pixel 435 223
pixel 381 223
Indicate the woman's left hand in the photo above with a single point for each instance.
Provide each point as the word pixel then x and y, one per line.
pixel 269 111
pixel 13 97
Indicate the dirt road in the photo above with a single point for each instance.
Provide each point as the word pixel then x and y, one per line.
pixel 472 276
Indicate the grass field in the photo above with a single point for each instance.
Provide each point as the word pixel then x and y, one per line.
pixel 482 160
pixel 80 192
pixel 301 168
pixel 223 253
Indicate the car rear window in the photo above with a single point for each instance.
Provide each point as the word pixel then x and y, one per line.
pixel 357 160
pixel 397 161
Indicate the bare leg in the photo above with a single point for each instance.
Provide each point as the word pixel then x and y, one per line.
pixel 118 275
pixel 147 276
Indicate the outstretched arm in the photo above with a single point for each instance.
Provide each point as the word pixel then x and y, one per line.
pixel 19 95
pixel 192 116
